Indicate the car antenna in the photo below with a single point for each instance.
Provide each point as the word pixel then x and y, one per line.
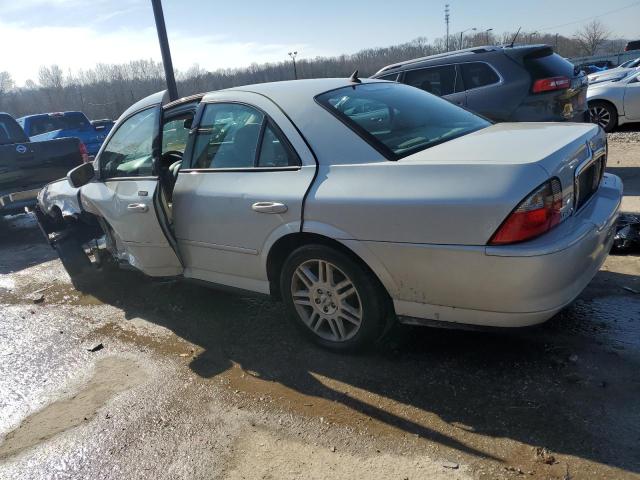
pixel 354 77
pixel 514 37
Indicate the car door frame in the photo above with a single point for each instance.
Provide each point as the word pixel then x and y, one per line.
pixel 252 261
pixel 90 199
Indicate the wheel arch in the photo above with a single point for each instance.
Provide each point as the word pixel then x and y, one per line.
pixel 282 247
pixel 608 101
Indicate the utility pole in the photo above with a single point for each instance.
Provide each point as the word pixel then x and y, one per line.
pixel 295 70
pixel 486 32
pixel 164 50
pixel 463 32
pixel 446 21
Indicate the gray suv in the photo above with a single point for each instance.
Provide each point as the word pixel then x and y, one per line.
pixel 523 83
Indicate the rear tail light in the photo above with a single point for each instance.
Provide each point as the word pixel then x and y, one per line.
pixel 535 215
pixel 84 153
pixel 550 84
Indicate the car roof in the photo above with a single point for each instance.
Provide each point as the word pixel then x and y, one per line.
pixel 461 55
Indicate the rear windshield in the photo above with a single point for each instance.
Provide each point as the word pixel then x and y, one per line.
pixel 544 64
pixel 399 120
pixel 10 131
pixel 69 121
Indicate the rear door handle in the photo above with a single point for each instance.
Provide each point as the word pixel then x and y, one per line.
pixel 269 207
pixel 137 207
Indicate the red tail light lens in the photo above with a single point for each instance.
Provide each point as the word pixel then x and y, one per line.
pixel 536 214
pixel 550 84
pixel 84 153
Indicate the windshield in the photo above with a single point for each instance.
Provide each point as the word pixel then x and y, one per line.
pixel 399 120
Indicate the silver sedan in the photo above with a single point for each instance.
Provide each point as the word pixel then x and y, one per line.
pixel 616 102
pixel 358 203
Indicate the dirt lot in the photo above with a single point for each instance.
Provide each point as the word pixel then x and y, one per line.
pixel 196 383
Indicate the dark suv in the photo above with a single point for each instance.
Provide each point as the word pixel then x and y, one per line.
pixel 516 84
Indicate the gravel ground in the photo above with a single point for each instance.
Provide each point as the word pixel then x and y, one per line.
pixel 195 383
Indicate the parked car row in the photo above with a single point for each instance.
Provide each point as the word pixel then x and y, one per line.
pixel 357 202
pixel 49 126
pixel 26 166
pixel 527 83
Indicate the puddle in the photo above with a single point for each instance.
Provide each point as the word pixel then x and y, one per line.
pixel 144 334
pixel 112 375
pixel 54 294
pixel 615 317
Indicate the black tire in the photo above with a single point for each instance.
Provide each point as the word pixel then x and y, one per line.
pixel 604 114
pixel 370 300
pixel 73 257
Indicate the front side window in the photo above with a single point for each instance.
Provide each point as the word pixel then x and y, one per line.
pixel 129 152
pixel 478 74
pixel 400 120
pixel 437 80
pixel 175 134
pixel 233 135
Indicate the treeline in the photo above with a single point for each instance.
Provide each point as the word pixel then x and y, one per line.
pixel 107 90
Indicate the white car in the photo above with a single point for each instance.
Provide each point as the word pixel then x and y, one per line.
pixel 615 102
pixel 358 203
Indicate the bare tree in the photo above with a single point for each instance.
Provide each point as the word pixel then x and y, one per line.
pixel 6 82
pixel 592 36
pixel 51 77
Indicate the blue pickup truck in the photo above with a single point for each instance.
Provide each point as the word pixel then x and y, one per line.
pixel 49 126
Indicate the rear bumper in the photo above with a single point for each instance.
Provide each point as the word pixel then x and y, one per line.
pixel 16 202
pixel 504 286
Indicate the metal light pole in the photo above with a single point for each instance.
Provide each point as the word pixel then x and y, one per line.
pixel 486 32
pixel 446 21
pixel 463 32
pixel 164 50
pixel 295 70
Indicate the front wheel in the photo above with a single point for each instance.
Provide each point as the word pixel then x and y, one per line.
pixel 604 114
pixel 335 300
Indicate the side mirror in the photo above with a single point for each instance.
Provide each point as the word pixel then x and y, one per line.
pixel 187 123
pixel 81 175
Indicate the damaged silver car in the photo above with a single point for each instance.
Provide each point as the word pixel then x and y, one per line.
pixel 358 203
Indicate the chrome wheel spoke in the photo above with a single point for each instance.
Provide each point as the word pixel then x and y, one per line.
pixel 326 300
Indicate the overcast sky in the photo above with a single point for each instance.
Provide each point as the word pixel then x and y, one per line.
pixel 77 34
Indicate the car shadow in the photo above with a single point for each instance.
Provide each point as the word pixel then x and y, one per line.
pixel 22 245
pixel 630 178
pixel 519 385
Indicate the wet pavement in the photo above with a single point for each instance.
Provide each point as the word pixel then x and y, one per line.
pixel 195 383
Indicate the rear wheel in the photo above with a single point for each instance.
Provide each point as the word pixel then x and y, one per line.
pixel 335 300
pixel 604 114
pixel 72 255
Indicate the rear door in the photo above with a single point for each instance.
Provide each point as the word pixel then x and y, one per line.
pixel 242 186
pixel 442 80
pixel 126 194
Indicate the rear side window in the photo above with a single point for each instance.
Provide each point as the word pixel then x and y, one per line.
pixel 437 80
pixel 398 120
pixel 72 121
pixel 233 135
pixel 544 63
pixel 478 74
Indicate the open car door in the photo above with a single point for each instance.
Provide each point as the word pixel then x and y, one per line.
pixel 126 191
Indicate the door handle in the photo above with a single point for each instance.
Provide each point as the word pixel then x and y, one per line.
pixel 269 207
pixel 137 207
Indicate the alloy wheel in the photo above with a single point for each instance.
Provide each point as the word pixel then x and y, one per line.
pixel 600 115
pixel 326 300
